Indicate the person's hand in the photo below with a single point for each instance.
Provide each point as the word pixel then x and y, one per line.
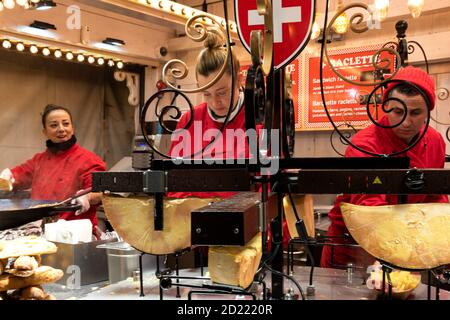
pixel 7 175
pixel 8 180
pixel 84 202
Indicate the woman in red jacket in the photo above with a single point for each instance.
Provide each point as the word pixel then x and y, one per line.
pixel 62 169
pixel 208 117
pixel 428 153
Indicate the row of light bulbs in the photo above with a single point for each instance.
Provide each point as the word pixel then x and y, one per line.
pixel 342 23
pixel 57 53
pixel 181 10
pixel 10 4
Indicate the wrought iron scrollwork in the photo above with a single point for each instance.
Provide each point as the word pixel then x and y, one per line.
pixel 358 25
pixel 347 134
pixel 177 69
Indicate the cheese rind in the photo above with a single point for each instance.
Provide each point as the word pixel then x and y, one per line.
pixel 235 266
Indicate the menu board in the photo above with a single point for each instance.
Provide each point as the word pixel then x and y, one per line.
pixel 343 99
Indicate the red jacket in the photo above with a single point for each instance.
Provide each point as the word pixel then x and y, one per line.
pixel 57 176
pixel 428 153
pixel 197 136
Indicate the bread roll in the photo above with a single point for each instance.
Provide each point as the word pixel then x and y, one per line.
pixel 33 293
pixel 42 275
pixel 26 246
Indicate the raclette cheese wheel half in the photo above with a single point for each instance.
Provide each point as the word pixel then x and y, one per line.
pixel 132 218
pixel 412 236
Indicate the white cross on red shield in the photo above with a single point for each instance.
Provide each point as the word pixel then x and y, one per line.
pixel 292 23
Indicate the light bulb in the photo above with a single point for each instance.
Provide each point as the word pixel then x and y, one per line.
pixel 20 46
pixel 9 4
pixel 58 54
pixel 315 31
pixel 34 49
pixel 415 7
pixel 100 61
pixel 382 7
pixel 6 44
pixel 91 59
pixel 111 63
pixel 22 3
pixel 120 64
pixel 69 55
pixel 80 58
pixel 46 51
pixel 341 24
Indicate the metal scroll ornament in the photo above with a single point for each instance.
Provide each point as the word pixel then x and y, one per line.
pixel 176 70
pixel 358 24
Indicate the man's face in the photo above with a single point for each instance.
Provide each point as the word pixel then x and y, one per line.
pixel 415 119
pixel 218 96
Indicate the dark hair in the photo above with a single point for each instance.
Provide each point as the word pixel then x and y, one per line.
pixel 52 107
pixel 405 89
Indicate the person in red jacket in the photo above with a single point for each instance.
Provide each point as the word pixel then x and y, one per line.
pixel 208 117
pixel 429 152
pixel 62 170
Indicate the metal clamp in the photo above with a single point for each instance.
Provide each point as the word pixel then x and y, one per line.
pixel 154 181
pixel 415 179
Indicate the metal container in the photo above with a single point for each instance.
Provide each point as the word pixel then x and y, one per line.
pixel 123 260
pixel 82 263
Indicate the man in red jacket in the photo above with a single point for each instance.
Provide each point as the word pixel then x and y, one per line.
pixel 429 152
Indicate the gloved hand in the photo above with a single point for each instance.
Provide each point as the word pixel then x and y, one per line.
pixel 7 175
pixel 84 202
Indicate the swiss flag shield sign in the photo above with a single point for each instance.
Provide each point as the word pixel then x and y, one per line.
pixel 292 23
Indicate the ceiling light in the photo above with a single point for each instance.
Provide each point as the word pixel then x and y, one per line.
pixel 69 55
pixel 382 7
pixel 9 4
pixel 91 59
pixel 34 49
pixel 22 3
pixel 58 53
pixel 100 61
pixel 80 57
pixel 415 7
pixel 42 25
pixel 120 64
pixel 114 42
pixel 6 44
pixel 46 51
pixel 316 30
pixel 341 23
pixel 20 46
pixel 44 5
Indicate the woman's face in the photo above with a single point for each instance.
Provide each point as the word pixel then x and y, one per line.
pixel 58 126
pixel 218 96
